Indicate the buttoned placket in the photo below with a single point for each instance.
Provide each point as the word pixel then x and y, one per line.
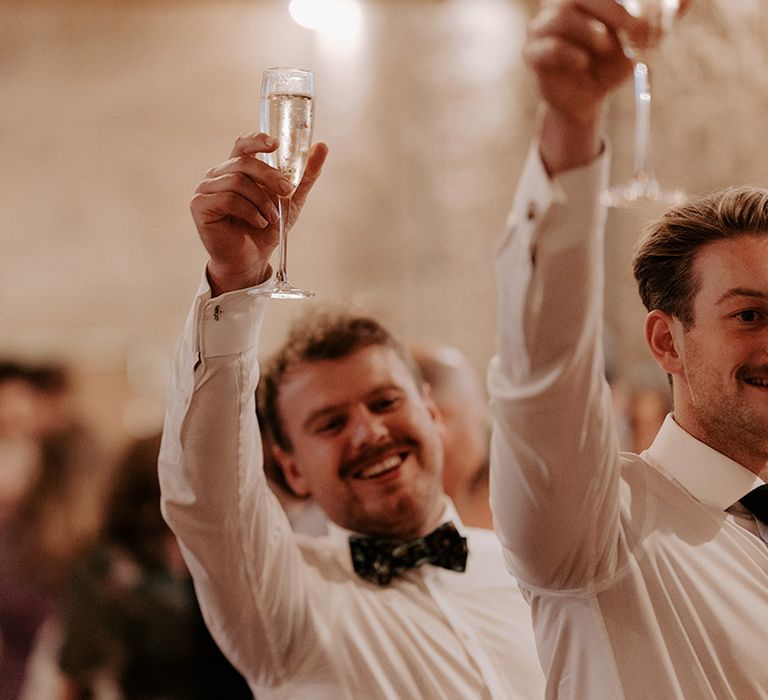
pixel 433 580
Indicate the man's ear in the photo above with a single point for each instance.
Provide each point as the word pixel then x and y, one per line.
pixel 434 410
pixel 292 473
pixel 664 336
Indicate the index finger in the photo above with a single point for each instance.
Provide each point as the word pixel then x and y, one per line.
pixel 253 142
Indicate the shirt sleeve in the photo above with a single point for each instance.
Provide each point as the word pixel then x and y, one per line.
pixel 235 537
pixel 554 468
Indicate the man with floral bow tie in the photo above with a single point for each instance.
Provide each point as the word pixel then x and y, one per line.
pixel 400 600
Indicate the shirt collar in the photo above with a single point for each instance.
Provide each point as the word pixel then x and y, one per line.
pixel 340 535
pixel 708 475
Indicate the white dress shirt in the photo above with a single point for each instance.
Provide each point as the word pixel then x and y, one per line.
pixel 645 580
pixel 288 609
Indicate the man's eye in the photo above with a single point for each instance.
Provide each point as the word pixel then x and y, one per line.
pixel 332 425
pixel 750 316
pixel 384 404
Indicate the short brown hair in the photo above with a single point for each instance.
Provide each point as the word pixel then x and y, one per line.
pixel 663 263
pixel 325 334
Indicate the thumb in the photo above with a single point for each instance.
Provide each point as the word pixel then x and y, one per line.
pixel 317 156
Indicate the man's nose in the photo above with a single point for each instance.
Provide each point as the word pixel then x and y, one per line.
pixel 368 428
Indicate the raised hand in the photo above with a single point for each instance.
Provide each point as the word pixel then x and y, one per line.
pixel 235 211
pixel 575 53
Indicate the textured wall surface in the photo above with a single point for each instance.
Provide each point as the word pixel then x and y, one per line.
pixel 112 111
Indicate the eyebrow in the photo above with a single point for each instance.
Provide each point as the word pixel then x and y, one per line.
pixel 741 292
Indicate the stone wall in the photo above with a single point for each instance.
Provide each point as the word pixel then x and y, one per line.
pixel 112 111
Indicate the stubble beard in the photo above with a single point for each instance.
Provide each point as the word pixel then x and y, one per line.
pixel 736 429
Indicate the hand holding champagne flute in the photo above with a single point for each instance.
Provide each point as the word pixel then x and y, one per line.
pixel 643 187
pixel 287 111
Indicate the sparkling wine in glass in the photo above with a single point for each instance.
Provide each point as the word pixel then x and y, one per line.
pixel 644 188
pixel 287 112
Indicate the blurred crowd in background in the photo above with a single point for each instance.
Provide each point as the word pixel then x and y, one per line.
pixel 95 599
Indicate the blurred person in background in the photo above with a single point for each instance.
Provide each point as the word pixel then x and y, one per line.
pixel 51 472
pixel 463 404
pixel 649 401
pixel 641 400
pixel 64 511
pixel 24 604
pixel 131 626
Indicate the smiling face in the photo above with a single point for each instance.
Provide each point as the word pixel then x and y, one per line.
pixel 720 362
pixel 365 442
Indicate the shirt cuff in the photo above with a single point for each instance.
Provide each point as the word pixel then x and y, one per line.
pixel 539 197
pixel 230 323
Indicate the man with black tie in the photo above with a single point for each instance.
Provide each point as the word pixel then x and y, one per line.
pixel 647 574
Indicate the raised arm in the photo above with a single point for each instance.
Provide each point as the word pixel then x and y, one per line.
pixel 234 536
pixel 555 453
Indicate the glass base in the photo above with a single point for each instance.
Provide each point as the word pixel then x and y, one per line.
pixel 283 290
pixel 640 192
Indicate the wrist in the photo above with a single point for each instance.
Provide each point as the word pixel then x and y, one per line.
pixel 224 279
pixel 570 141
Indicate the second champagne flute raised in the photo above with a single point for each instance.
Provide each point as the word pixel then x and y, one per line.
pixel 643 188
pixel 287 114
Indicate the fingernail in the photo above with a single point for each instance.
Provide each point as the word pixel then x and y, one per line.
pixel 285 187
pixel 269 141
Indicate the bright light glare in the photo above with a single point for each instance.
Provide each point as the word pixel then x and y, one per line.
pixel 337 17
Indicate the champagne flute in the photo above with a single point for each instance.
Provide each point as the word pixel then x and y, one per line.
pixel 644 188
pixel 287 110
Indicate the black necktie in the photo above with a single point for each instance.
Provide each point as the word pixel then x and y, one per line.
pixel 756 501
pixel 378 559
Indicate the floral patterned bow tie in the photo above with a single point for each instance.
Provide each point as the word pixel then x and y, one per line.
pixel 379 560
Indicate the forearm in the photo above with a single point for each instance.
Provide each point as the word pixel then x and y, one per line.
pixel 553 454
pixel 568 142
pixel 233 533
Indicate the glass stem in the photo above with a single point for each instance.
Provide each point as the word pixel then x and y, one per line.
pixel 283 206
pixel 642 121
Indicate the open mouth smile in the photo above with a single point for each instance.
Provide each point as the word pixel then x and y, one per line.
pixel 379 467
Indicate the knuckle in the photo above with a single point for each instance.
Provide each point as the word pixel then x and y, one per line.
pixel 229 199
pixel 242 161
pixel 196 205
pixel 239 179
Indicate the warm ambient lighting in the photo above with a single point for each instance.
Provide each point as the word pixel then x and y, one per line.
pixel 337 17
